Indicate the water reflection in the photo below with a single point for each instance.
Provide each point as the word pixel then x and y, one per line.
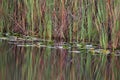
pixel 45 63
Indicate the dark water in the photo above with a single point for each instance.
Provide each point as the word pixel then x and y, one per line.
pixel 50 63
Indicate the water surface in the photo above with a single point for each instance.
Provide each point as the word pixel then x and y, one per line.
pixel 53 62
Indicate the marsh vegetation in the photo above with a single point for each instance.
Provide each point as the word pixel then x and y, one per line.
pixel 59 39
pixel 63 20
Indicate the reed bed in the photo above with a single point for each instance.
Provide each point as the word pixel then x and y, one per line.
pixel 93 21
pixel 63 20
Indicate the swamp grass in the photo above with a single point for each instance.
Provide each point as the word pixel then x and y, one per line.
pixel 72 21
pixel 63 20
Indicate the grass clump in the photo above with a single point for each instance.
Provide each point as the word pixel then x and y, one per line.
pixel 70 21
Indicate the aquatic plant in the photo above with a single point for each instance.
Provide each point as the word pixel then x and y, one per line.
pixel 63 20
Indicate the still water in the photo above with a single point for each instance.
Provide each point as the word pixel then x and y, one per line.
pixel 30 62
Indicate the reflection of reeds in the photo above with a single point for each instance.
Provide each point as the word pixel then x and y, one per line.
pixel 74 20
pixel 31 63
